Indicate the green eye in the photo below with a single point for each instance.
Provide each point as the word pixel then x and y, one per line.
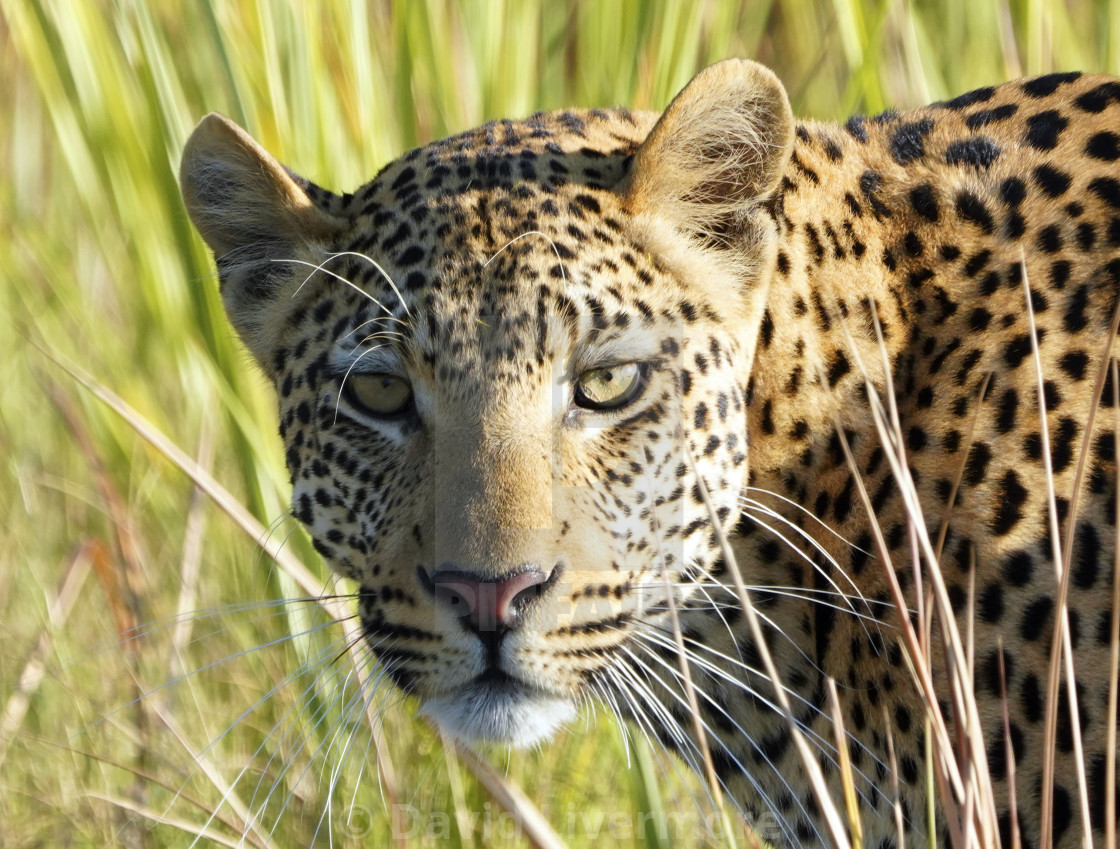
pixel 381 395
pixel 611 387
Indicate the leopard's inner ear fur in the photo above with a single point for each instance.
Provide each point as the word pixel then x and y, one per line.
pixel 698 183
pixel 718 150
pixel 257 217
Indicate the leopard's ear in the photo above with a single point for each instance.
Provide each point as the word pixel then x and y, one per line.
pixel 255 215
pixel 718 150
pixel 238 195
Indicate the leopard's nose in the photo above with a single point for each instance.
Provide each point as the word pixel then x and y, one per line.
pixel 488 605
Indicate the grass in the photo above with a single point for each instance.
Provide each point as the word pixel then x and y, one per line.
pixel 107 539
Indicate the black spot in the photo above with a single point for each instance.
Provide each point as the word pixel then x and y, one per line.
pixel 1074 364
pixel 997 756
pixel 971 98
pixel 783 263
pixel 1063 811
pixel 976 262
pixel 1053 182
pixel 766 330
pixel 1012 191
pixel 991 603
pixel 916 439
pixel 976 467
pixel 924 201
pixel 1086 235
pixel 952 442
pixel 1036 617
pixel 1075 318
pixel 972 209
pixel 916 278
pixel 1032 446
pixel 1013 276
pixel 1015 225
pixel 406 176
pixel 1047 85
pixel 1044 128
pixel 1006 408
pixel 857 128
pixel 908 140
pixel 767 423
pixel 967 364
pixel 1018 568
pixel 1050 239
pixel 1105 449
pixel 979 318
pixel 1061 455
pixel 912 244
pixel 1095 100
pixel 869 183
pixel 1010 497
pixel 1059 274
pixel 839 367
pixel 411 256
pixel 588 202
pixel 983 117
pixel 1098 786
pixel 1017 350
pixel 1107 189
pixel 978 151
pixel 1086 555
pixel 701 416
pixel 1031 694
pixel 1104 146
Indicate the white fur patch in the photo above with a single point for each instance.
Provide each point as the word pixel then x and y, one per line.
pixel 483 713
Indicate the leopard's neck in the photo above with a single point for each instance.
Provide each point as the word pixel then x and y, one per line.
pixel 842 282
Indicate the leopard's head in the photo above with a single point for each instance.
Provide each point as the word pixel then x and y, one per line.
pixel 507 370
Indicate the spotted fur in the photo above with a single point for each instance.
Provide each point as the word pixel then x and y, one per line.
pixel 773 277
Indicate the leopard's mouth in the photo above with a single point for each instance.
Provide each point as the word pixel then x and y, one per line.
pixel 495 707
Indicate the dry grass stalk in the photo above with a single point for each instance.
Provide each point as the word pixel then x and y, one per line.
pixel 1110 757
pixel 1062 646
pixel 837 832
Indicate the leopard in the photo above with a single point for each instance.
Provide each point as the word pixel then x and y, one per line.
pixel 716 416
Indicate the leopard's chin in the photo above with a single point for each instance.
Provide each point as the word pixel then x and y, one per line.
pixel 495 708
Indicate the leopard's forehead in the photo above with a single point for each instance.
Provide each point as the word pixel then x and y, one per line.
pixel 476 191
pixel 507 244
pixel 542 148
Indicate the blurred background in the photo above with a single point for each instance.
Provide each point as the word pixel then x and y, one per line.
pixel 154 688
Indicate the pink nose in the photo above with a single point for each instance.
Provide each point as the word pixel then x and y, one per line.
pixel 488 605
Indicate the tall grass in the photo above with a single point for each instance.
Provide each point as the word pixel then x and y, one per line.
pixel 114 697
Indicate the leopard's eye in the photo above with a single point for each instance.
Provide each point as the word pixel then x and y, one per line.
pixel 381 395
pixel 611 387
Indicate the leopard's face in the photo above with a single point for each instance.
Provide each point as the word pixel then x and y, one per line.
pixel 512 373
pixel 502 457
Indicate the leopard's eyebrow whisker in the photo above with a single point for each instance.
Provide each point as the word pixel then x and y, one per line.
pixel 388 278
pixel 321 267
